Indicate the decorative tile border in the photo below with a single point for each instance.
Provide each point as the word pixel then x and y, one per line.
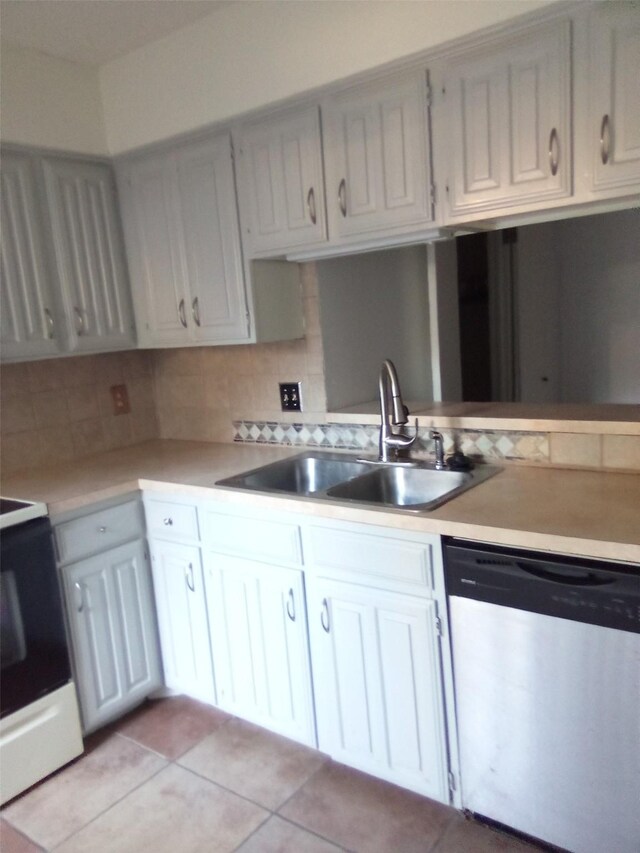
pixel 489 445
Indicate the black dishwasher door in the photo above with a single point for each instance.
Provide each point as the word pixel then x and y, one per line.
pixel 589 591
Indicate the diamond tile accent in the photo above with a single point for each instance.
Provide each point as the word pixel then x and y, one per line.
pixel 481 445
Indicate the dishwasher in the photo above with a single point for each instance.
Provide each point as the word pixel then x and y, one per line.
pixel 546 657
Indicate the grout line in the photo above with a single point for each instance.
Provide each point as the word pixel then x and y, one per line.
pixel 313 832
pixel 23 834
pixel 111 806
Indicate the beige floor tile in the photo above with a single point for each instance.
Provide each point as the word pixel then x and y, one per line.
pixel 258 764
pixel 174 811
pixel 280 836
pixel 71 798
pixel 171 726
pixel 366 814
pixel 12 841
pixel 469 836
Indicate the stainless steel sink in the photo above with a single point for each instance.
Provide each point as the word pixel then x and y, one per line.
pixel 414 487
pixel 300 475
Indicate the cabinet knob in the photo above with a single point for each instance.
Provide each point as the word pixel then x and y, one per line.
pixel 102 529
pixel 324 615
pixel 80 327
pixel 291 606
pixel 554 152
pixel 605 139
pixel 49 318
pixel 167 522
pixel 181 313
pixel 342 197
pixel 195 311
pixel 311 205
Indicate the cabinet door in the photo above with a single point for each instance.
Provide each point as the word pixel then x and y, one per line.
pixel 378 683
pixel 281 172
pixel 113 632
pixel 89 254
pixel 210 230
pixel 182 619
pixel 508 126
pixel 29 327
pixel 259 641
pixel 377 157
pixel 614 81
pixel 149 200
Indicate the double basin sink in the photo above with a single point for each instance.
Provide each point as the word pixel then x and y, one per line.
pixel 411 487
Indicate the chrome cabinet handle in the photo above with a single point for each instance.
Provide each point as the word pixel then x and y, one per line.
pixel 605 140
pixel 554 152
pixel 311 205
pixel 78 587
pixel 342 197
pixel 195 311
pixel 324 616
pixel 291 606
pixel 188 574
pixel 181 313
pixel 80 320
pixel 168 522
pixel 49 318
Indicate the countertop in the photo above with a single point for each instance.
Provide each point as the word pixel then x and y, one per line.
pixel 589 513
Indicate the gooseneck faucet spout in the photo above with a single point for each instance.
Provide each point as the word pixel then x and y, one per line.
pixel 393 412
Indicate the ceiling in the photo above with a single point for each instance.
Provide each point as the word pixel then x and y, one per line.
pixel 96 31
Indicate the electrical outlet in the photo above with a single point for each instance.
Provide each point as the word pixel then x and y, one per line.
pixel 120 399
pixel 290 397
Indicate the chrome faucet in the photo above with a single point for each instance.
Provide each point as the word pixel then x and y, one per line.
pixel 440 464
pixel 393 412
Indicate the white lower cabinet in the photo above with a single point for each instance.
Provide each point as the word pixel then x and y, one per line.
pixel 182 618
pixel 113 632
pixel 258 626
pixel 378 683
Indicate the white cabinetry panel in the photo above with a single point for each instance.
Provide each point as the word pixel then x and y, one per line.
pixel 182 618
pixel 183 241
pixel 28 312
pixel 614 83
pixel 378 678
pixel 89 255
pixel 280 171
pixel 508 122
pixel 377 157
pixel 259 643
pixel 113 632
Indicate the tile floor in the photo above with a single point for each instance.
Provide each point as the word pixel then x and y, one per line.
pixel 176 776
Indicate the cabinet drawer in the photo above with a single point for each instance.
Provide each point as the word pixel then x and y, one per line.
pixel 98 531
pixel 172 520
pixel 384 561
pixel 252 537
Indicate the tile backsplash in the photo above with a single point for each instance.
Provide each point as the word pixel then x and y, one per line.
pixel 61 409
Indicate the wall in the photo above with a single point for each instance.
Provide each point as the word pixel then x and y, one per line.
pixel 374 306
pixel 50 102
pixel 248 54
pixel 600 307
pixel 59 410
pixel 200 391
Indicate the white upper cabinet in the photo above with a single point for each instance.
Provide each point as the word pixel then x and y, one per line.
pixel 614 90
pixel 281 182
pixel 506 123
pixel 65 287
pixel 377 157
pixel 89 254
pixel 184 244
pixel 28 313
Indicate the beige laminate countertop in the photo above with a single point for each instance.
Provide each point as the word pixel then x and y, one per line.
pixel 588 513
